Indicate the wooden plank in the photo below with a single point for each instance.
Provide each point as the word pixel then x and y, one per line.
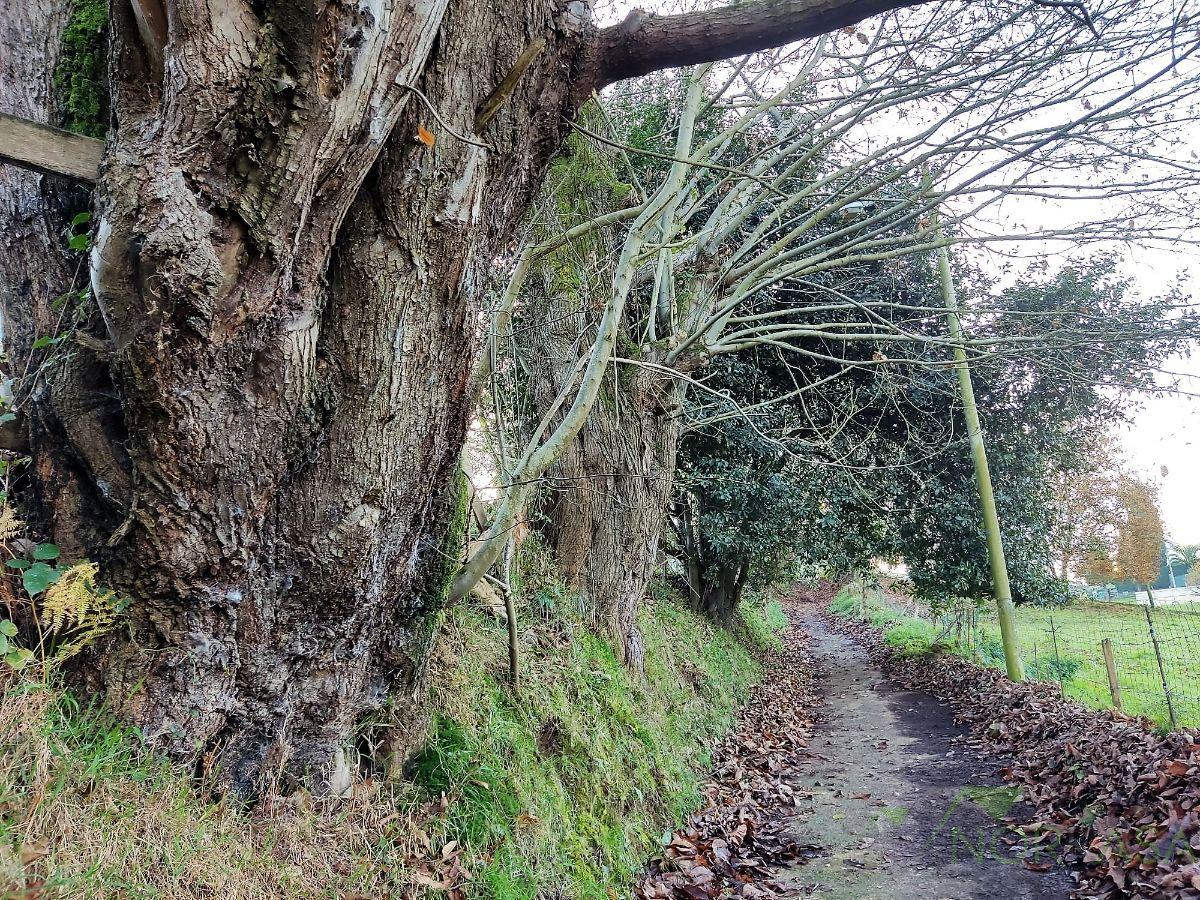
pixel 49 150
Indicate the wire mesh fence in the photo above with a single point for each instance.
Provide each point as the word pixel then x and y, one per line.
pixel 1139 658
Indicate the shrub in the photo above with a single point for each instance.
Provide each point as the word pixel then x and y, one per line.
pixel 912 637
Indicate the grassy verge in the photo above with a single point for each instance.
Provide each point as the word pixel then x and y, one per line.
pixel 908 635
pixel 1063 645
pixel 563 791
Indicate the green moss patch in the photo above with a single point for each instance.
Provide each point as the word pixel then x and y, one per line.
pixel 80 79
pixel 570 785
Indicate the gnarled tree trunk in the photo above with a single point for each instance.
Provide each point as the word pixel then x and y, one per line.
pixel 288 296
pixel 715 593
pixel 607 498
pixel 602 504
pixel 259 438
pixel 711 587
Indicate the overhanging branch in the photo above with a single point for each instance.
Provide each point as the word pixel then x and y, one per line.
pixel 48 150
pixel 646 43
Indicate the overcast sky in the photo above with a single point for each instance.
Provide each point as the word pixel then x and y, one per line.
pixel 1165 434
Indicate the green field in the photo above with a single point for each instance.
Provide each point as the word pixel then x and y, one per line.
pixel 1063 645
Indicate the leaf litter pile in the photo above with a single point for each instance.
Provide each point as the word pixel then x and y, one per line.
pixel 1115 800
pixel 739 843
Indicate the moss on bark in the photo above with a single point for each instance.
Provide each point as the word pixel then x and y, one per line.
pixel 80 79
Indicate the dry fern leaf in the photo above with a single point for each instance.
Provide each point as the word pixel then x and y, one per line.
pixel 75 601
pixel 10 525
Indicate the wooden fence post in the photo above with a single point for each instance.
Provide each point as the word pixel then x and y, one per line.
pixel 1114 686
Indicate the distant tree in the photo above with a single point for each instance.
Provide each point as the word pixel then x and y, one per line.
pixel 1193 575
pixel 1084 513
pixel 875 465
pixel 1183 554
pixel 748 507
pixel 1096 566
pixel 1040 413
pixel 1182 558
pixel 1139 532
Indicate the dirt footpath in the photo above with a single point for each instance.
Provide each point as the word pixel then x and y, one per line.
pixel 899 805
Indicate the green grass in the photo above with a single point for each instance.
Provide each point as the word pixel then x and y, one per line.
pixel 1072 636
pixel 571 785
pixel 912 638
pixel 761 621
pixel 909 636
pixel 564 790
pixel 1063 644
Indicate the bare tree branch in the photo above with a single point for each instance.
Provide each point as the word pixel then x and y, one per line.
pixel 646 43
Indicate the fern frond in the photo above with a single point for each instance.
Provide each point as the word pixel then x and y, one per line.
pixel 10 525
pixel 75 602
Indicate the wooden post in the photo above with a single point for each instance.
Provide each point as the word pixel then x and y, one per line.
pixel 1162 669
pixel 1110 665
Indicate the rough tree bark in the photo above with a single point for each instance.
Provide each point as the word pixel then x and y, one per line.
pixel 716 593
pixel 36 267
pixel 605 499
pixel 609 496
pixel 263 434
pixel 282 402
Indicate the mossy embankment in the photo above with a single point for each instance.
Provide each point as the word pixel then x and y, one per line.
pixel 565 788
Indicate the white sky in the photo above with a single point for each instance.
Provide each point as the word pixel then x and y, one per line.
pixel 1165 433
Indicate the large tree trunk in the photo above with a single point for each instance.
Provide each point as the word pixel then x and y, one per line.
pixel 276 488
pixel 257 429
pixel 607 500
pixel 37 270
pixel 604 501
pixel 34 267
pixel 715 592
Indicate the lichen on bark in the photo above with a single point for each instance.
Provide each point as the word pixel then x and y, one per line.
pixel 439 571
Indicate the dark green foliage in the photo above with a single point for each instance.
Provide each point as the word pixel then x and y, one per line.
pixel 1039 407
pixel 80 79
pixel 876 464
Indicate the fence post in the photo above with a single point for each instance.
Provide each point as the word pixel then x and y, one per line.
pixel 1162 670
pixel 1057 659
pixel 1114 686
